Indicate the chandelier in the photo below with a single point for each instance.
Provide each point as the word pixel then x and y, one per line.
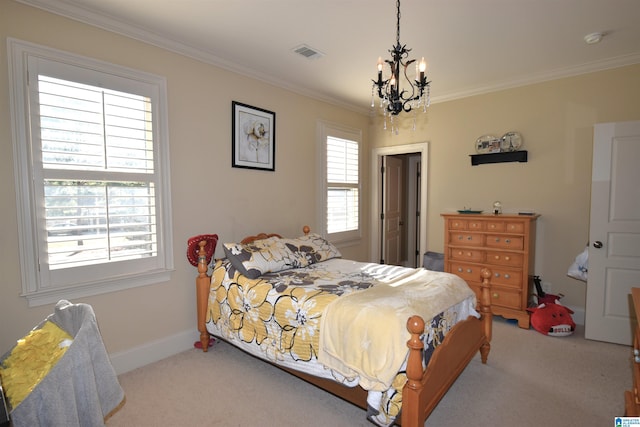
pixel 394 97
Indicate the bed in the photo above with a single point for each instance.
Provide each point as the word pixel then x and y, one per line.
pixel 287 301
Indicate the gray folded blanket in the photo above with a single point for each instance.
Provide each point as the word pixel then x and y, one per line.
pixel 82 389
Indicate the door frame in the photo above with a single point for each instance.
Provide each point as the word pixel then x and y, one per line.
pixel 421 148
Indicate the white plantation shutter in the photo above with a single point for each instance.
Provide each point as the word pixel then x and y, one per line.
pixel 91 142
pixel 340 182
pixel 97 161
pixel 342 185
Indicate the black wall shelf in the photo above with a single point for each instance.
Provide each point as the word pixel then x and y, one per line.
pixel 508 156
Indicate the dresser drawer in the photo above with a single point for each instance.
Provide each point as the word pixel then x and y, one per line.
pixel 510 259
pixel 506 277
pixel 466 239
pixel 498 226
pixel 473 255
pixel 515 227
pixel 505 242
pixel 457 224
pixel 506 298
pixel 468 272
pixel 466 224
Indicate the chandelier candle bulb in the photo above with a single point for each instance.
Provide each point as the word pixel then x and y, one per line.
pixel 423 68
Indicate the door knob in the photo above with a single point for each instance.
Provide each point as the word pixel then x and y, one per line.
pixel 597 244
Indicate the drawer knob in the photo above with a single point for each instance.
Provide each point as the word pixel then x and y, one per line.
pixel 459 269
pixel 636 352
pixel 459 237
pixel 469 238
pixel 495 295
pixel 507 276
pixel 508 241
pixel 469 270
pixel 497 239
pixel 497 257
pixel 469 254
pixel 507 258
pixel 497 274
pixel 459 252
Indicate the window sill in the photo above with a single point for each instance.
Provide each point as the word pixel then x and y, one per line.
pixel 70 293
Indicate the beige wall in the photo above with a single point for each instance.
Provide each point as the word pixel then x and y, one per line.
pixel 208 195
pixel 556 121
pixel 555 118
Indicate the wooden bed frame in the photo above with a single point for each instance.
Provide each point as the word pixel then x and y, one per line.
pixel 424 387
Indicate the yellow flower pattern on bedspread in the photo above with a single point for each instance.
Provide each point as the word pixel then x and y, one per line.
pixel 250 309
pixel 277 317
pixel 298 314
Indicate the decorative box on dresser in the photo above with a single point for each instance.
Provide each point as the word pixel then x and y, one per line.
pixel 632 397
pixel 503 243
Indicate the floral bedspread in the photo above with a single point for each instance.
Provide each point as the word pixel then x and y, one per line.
pixel 277 317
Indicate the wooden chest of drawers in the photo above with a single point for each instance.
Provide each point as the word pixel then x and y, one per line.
pixel 632 397
pixel 503 243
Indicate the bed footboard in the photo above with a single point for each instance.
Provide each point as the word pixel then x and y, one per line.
pixel 425 388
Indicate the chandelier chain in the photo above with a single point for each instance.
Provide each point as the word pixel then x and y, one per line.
pixel 398 24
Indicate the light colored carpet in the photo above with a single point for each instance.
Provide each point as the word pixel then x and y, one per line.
pixel 530 380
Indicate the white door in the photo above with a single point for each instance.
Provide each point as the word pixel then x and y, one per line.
pixel 393 212
pixel 614 250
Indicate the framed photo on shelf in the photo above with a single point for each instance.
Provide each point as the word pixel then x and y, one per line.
pixel 253 137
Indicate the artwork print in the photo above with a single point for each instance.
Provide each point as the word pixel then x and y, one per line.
pixel 253 141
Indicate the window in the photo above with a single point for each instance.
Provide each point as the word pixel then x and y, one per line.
pixel 341 182
pixel 91 148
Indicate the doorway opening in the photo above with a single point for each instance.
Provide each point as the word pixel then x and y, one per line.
pixel 399 204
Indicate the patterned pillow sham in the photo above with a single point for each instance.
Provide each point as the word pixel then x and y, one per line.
pixel 311 249
pixel 275 254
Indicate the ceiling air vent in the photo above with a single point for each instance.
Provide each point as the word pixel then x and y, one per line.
pixel 308 52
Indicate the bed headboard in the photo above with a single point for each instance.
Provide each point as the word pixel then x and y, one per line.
pixel 306 229
pixel 259 236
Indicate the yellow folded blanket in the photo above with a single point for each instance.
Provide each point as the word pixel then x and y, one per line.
pixel 31 360
pixel 365 334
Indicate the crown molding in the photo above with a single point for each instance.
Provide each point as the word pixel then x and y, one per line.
pixel 560 73
pixel 75 12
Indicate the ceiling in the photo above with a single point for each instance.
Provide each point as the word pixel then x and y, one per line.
pixel 471 46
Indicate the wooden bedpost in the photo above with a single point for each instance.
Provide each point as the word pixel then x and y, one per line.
pixel 411 401
pixel 203 283
pixel 485 311
pixel 306 229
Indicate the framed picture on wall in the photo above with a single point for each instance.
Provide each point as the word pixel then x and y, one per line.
pixel 253 137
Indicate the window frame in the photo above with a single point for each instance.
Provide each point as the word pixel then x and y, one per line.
pixel 326 130
pixel 31 232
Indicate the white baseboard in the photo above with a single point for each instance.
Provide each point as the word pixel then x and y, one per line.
pixel 578 315
pixel 153 351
